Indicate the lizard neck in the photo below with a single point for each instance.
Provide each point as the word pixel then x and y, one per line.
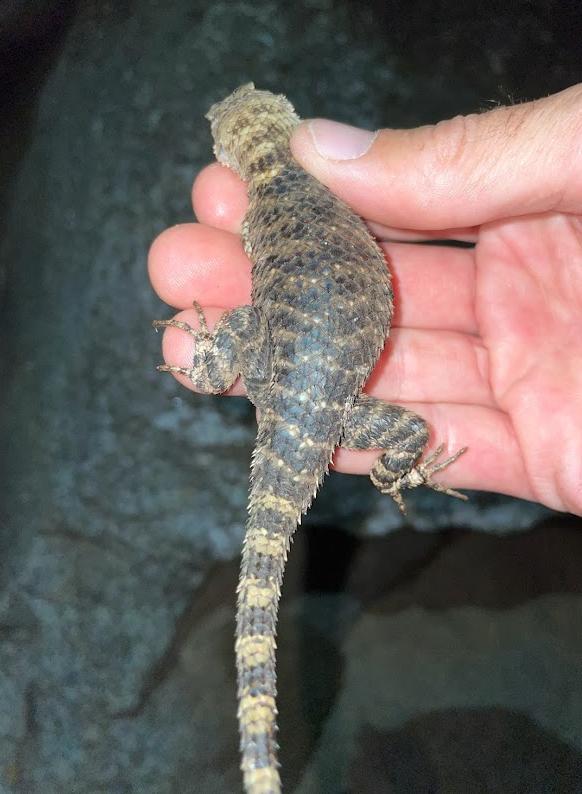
pixel 267 162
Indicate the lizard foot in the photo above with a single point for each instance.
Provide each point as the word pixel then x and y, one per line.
pixel 238 344
pixel 204 342
pixel 419 475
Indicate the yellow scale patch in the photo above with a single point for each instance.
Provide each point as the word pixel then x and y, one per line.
pixel 257 714
pixel 257 649
pixel 263 542
pixel 261 150
pixel 262 781
pixel 274 502
pixel 257 593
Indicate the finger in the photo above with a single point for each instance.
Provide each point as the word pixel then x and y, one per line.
pixel 384 233
pixel 434 285
pixel 460 173
pixel 194 262
pixel 219 198
pixel 410 369
pixel 432 366
pixel 492 461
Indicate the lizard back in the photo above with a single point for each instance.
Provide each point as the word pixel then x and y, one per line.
pixel 323 285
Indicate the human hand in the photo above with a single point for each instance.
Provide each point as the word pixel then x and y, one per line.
pixel 487 342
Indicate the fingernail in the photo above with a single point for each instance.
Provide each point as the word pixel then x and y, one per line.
pixel 335 141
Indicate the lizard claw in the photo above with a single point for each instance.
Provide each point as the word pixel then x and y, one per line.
pixel 201 317
pixel 175 370
pixel 422 475
pixel 202 331
pixel 197 333
pixel 430 467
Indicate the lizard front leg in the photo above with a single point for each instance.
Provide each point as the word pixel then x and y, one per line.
pixel 373 424
pixel 239 344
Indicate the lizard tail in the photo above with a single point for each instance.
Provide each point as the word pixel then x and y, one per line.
pixel 286 473
pixel 278 499
pixel 266 545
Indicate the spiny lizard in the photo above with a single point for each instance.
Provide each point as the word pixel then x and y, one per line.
pixel 321 309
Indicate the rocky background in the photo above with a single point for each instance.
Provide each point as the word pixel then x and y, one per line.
pixel 443 660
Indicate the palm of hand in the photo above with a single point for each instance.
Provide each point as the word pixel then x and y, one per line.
pixel 528 310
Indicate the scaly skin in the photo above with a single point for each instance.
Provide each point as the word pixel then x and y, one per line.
pixel 322 305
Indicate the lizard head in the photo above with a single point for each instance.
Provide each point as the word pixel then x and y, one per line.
pixel 249 126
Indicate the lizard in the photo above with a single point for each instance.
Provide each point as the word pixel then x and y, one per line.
pixel 321 308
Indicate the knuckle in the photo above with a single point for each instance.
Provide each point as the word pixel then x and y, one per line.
pixel 510 122
pixel 448 142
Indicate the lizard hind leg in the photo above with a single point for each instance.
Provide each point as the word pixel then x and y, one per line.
pixel 239 344
pixel 403 435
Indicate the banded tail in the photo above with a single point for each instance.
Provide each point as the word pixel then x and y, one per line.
pixel 264 556
pixel 274 512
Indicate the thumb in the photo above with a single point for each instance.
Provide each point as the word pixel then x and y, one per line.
pixel 462 172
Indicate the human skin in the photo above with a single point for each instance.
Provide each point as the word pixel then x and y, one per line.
pixel 487 341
